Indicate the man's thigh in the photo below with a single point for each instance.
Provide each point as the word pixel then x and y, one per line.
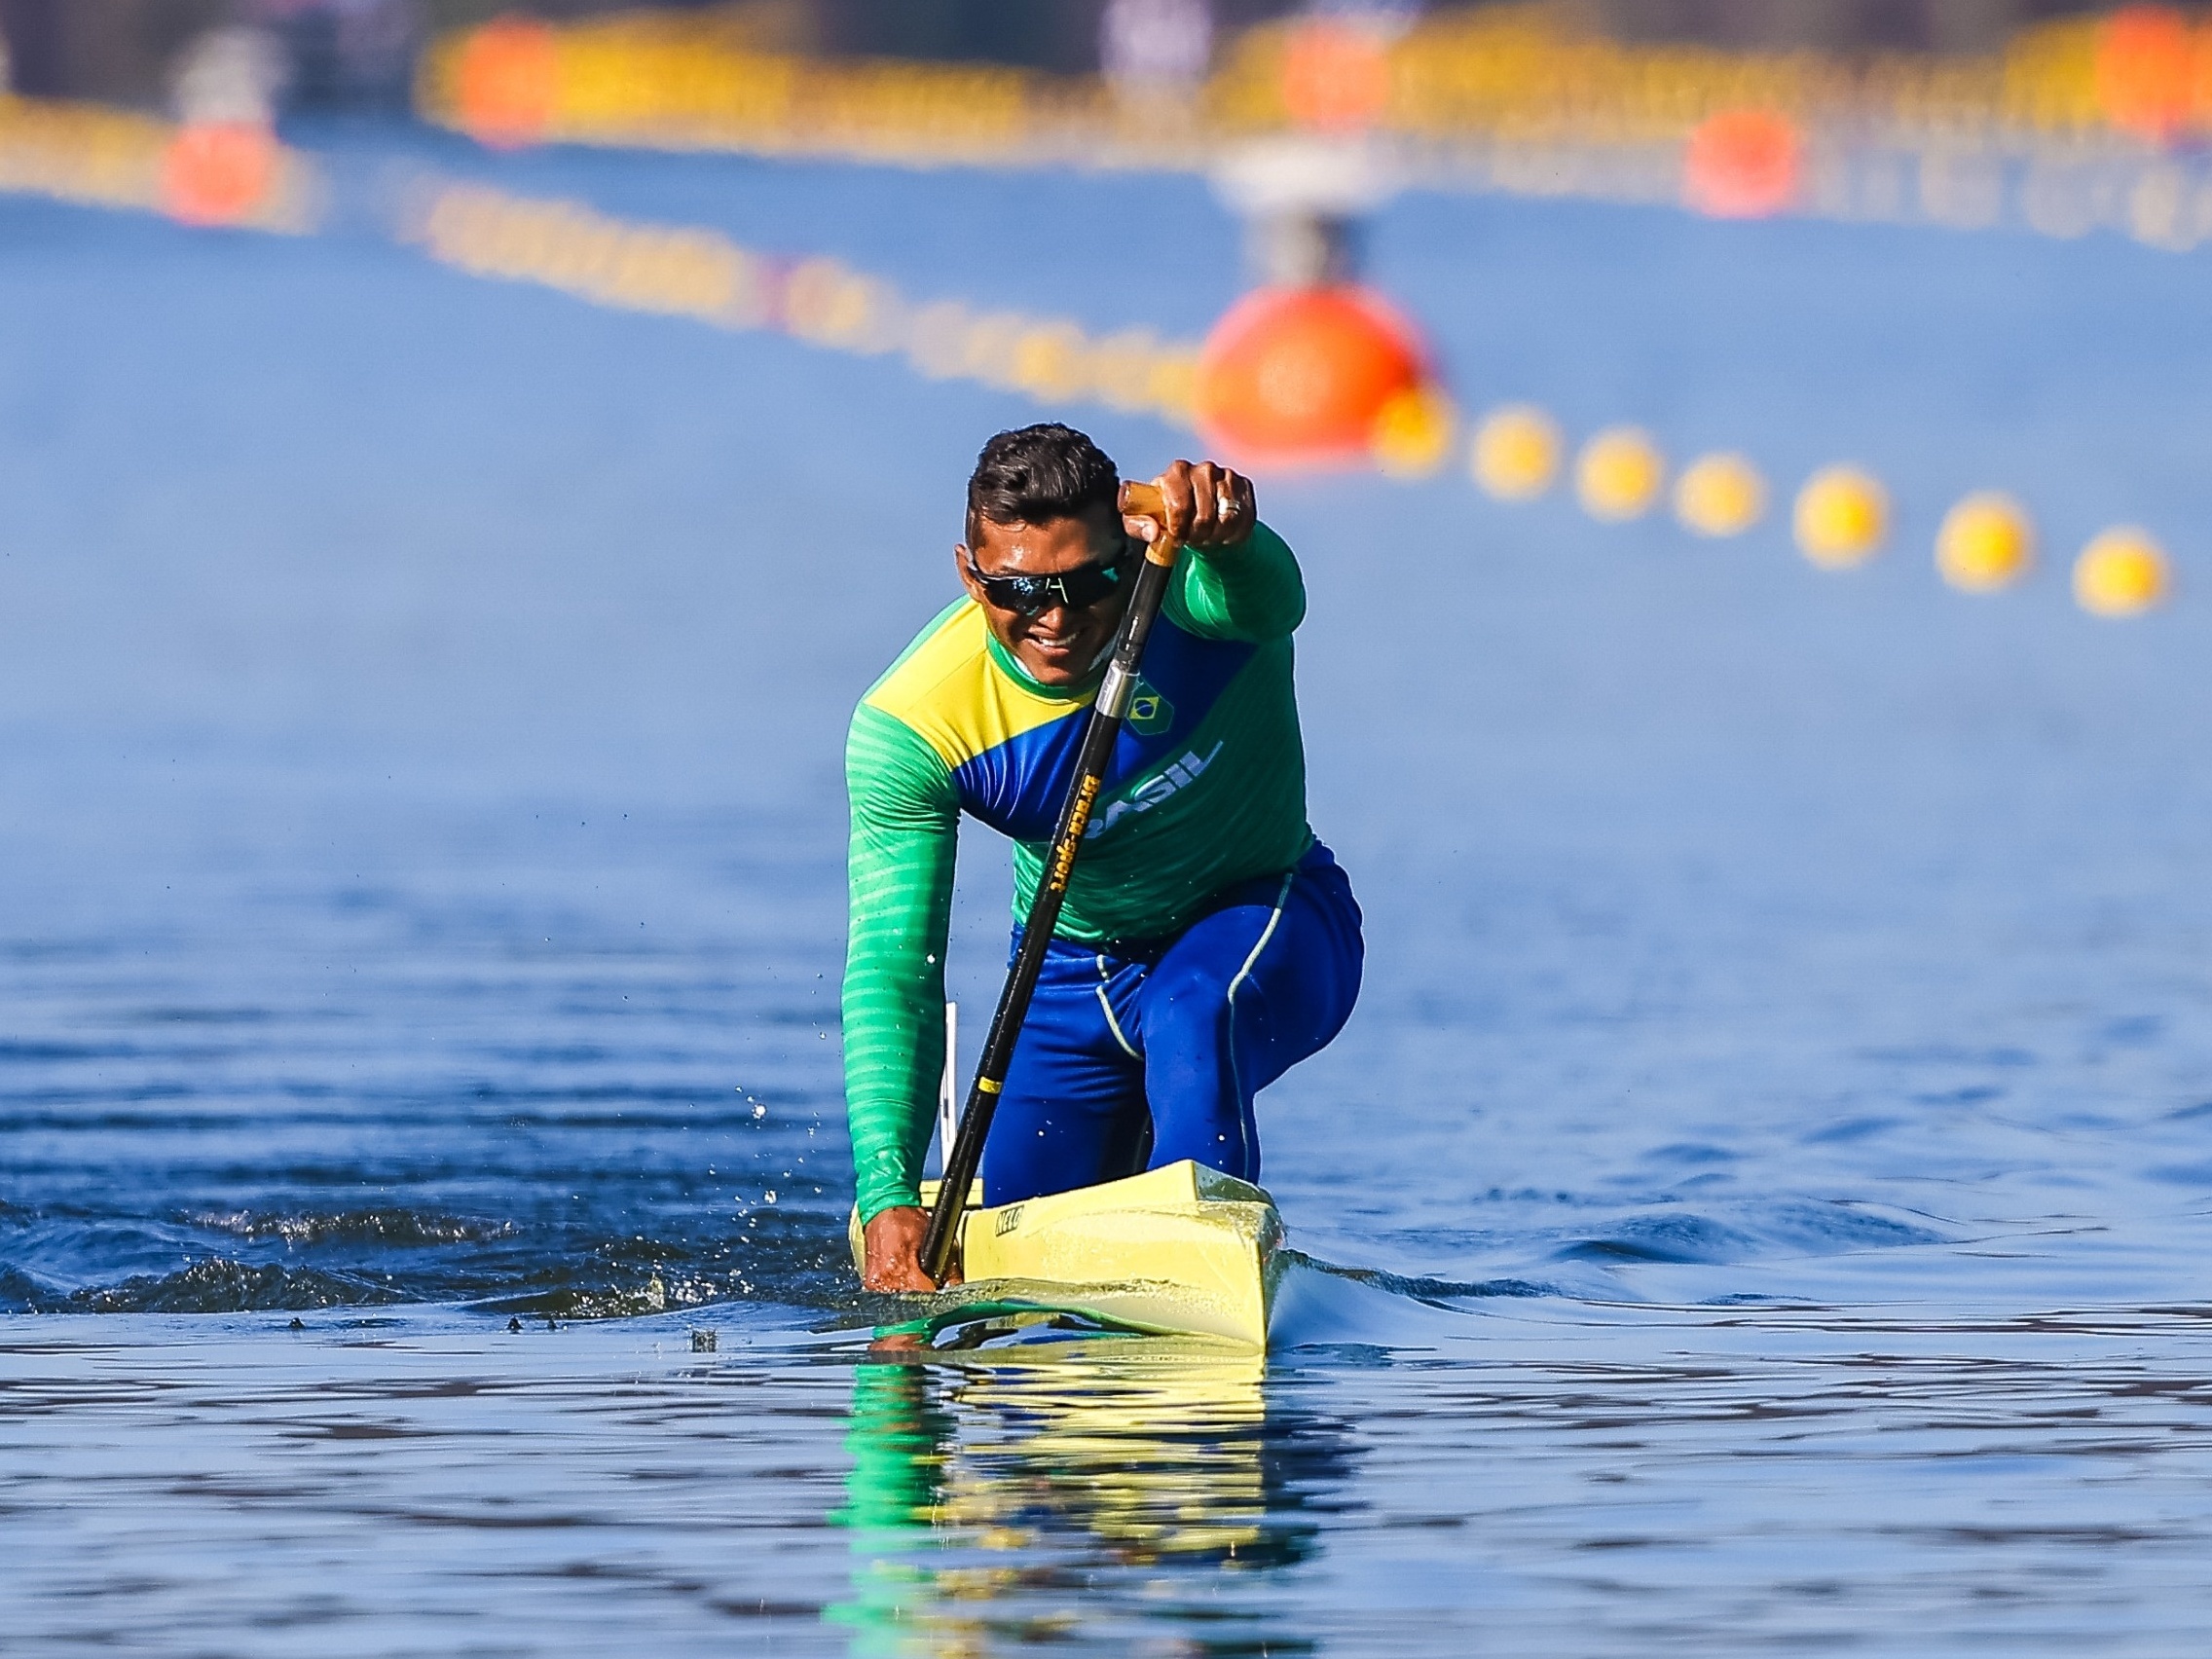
pixel 1073 1111
pixel 1244 995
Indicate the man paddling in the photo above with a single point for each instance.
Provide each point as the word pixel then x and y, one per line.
pixel 1207 943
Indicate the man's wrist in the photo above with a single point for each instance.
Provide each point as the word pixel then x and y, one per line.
pixel 872 1207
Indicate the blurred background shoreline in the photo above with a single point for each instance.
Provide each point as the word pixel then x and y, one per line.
pixel 1965 114
pixel 353 50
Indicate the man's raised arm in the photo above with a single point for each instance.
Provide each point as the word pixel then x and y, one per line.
pixel 1238 579
pixel 1250 590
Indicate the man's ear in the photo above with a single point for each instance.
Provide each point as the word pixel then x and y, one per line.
pixel 961 560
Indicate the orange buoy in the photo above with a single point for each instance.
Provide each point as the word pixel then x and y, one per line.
pixel 2146 70
pixel 1298 377
pixel 1742 163
pixel 218 172
pixel 1336 77
pixel 508 82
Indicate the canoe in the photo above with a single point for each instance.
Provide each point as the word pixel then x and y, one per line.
pixel 1181 1250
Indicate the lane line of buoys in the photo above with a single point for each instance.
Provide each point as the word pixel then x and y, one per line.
pixel 704 274
pixel 1840 517
pixel 227 173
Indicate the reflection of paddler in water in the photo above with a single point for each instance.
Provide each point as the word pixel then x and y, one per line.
pixel 897 1439
pixel 1094 1457
pixel 1205 942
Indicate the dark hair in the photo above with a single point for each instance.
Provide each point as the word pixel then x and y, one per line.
pixel 1038 474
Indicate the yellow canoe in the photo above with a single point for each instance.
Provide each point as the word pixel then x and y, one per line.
pixel 1182 1250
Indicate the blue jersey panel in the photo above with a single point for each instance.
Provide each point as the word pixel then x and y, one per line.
pixel 1018 785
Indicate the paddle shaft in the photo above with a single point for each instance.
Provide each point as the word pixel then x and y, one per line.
pixel 966 1153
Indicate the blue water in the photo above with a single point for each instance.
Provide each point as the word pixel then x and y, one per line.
pixel 1760 1204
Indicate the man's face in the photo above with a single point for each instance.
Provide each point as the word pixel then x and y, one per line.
pixel 1060 645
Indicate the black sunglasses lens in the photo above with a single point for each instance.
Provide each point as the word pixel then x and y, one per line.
pixel 1025 594
pixel 1032 596
pixel 1088 586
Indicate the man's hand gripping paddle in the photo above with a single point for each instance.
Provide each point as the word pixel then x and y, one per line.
pixel 943 1240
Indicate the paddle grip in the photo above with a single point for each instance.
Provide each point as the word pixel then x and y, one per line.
pixel 1145 501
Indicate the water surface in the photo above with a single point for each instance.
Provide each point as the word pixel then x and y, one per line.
pixel 1770 1165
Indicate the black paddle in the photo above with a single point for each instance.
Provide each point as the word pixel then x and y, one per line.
pixel 961 1159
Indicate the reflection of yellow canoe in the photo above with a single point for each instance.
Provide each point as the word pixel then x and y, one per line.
pixel 1158 1452
pixel 1182 1250
pixel 989 1480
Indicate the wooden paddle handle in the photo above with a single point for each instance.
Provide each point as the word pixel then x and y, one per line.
pixel 1144 501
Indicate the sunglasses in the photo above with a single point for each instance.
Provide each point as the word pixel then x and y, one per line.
pixel 1078 589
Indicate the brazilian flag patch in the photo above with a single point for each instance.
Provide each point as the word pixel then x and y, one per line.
pixel 1150 714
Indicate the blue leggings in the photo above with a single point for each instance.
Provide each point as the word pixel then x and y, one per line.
pixel 1139 1055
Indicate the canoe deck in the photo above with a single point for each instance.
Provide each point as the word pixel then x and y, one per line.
pixel 1181 1250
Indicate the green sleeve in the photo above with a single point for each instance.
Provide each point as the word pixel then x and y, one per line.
pixel 1249 591
pixel 905 823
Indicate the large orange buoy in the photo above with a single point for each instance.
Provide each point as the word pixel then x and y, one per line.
pixel 1742 163
pixel 1300 376
pixel 218 172
pixel 2145 71
pixel 1336 77
pixel 508 82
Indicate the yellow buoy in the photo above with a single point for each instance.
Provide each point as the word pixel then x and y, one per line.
pixel 1618 474
pixel 1842 517
pixel 1986 542
pixel 1719 495
pixel 2123 573
pixel 1515 455
pixel 1414 432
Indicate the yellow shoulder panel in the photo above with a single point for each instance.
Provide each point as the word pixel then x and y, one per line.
pixel 950 694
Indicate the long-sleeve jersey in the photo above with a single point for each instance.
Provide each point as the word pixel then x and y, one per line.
pixel 1206 789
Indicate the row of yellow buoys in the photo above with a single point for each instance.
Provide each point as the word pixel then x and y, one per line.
pixel 213 172
pixel 1988 542
pixel 690 271
pixel 1840 517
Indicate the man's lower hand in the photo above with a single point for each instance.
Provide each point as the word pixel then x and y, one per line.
pixel 892 1246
